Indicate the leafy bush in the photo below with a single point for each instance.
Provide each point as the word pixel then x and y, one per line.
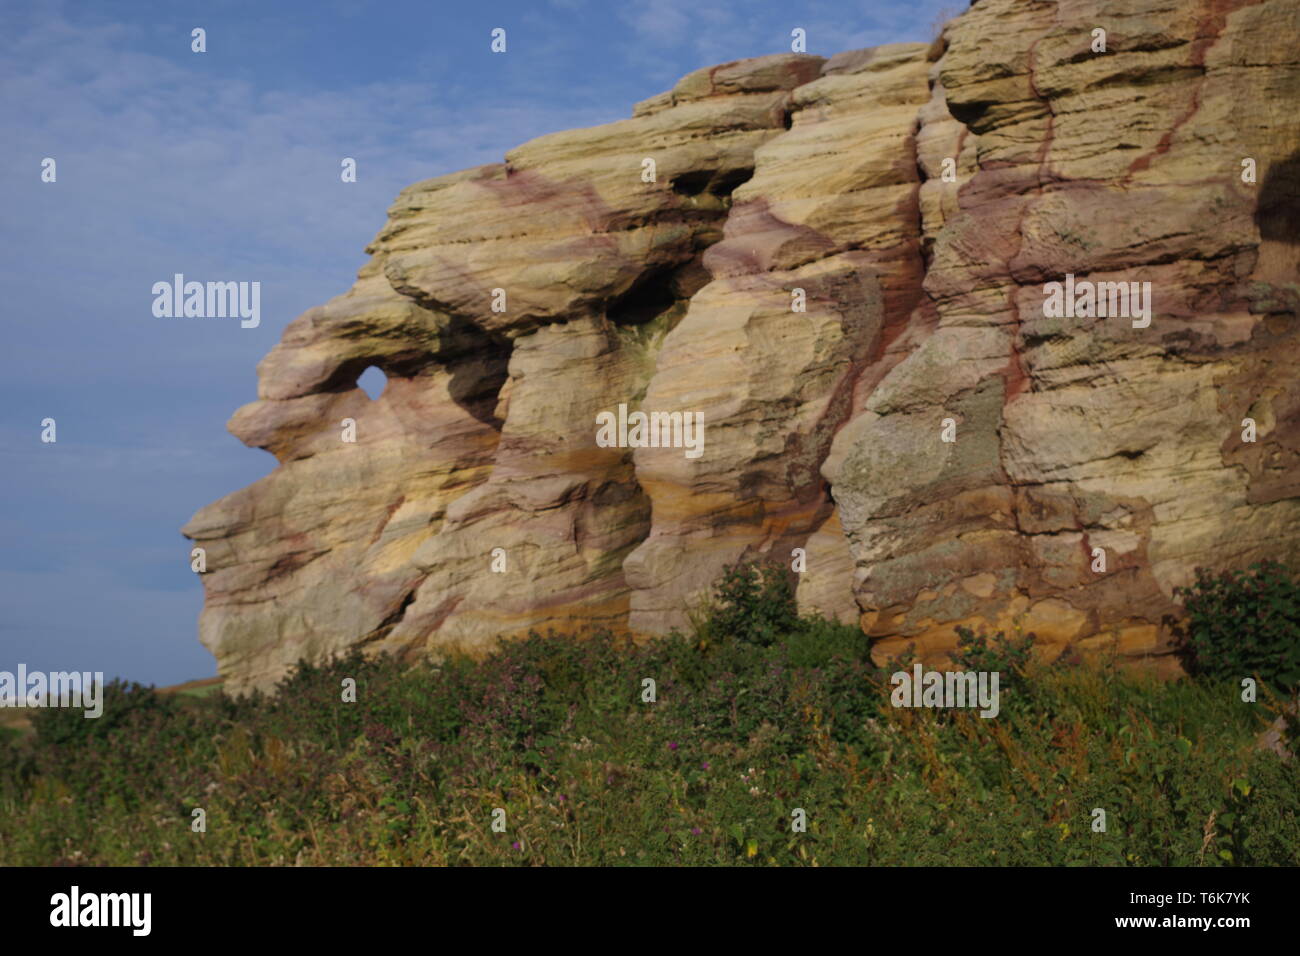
pixel 123 702
pixel 1242 623
pixel 753 602
pixel 1007 655
pixel 815 642
pixel 556 731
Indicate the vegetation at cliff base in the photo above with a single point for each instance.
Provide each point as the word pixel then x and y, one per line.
pixel 756 714
pixel 1245 622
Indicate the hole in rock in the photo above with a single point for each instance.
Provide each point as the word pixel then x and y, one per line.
pixel 726 183
pixel 692 183
pixel 719 183
pixel 372 381
pixel 1277 212
pixel 649 296
pixel 479 369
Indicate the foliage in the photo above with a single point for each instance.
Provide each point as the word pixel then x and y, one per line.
pixel 753 603
pixel 1242 623
pixel 748 723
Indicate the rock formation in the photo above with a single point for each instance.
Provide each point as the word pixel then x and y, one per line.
pixel 838 264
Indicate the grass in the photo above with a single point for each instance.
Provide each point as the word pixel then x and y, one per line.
pixel 743 732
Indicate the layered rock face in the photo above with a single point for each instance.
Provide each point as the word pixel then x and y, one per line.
pixel 837 265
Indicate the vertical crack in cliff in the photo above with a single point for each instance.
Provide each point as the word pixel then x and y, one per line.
pixel 640 317
pixel 1016 378
pixel 1209 27
pixel 888 278
pixel 844 404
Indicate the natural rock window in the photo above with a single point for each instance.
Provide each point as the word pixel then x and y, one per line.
pixel 372 381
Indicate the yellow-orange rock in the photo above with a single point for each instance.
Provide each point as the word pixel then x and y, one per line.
pixel 916 201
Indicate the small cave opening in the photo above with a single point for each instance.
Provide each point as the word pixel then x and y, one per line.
pixel 476 361
pixel 1277 211
pixel 479 367
pixel 649 296
pixel 719 183
pixel 691 183
pixel 725 183
pixel 973 114
pixel 372 381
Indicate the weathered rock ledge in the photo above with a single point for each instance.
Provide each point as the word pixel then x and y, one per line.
pixel 920 198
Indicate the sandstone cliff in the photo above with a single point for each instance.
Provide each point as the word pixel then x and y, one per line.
pixel 918 198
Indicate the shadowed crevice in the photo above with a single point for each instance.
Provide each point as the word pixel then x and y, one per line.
pixel 1277 212
pixel 477 377
pixel 649 296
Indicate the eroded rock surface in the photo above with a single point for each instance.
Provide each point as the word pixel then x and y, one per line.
pixel 916 199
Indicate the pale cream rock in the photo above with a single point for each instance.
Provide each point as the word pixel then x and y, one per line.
pixel 822 427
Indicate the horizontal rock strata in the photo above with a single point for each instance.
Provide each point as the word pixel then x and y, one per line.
pixel 836 263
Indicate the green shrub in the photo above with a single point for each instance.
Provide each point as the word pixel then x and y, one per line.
pixel 556 731
pixel 1007 655
pixel 1243 623
pixel 815 642
pixel 753 602
pixel 122 701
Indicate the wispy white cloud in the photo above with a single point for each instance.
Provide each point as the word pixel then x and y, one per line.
pixel 172 162
pixel 163 169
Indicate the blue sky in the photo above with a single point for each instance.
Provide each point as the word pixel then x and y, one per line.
pixel 225 165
